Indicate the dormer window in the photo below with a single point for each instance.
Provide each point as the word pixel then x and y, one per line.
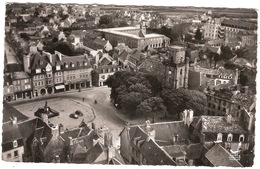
pixel 71 64
pixel 241 138
pixel 38 70
pixel 15 144
pixel 230 137
pixel 79 63
pixel 85 63
pixel 41 62
pixel 58 67
pixel 219 137
pixel 65 65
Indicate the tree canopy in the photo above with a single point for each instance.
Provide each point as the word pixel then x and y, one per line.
pixel 198 34
pixel 177 100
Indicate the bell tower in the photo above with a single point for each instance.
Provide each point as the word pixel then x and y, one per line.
pixel 176 68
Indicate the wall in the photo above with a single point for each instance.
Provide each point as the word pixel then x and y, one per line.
pixel 19 158
pixel 125 146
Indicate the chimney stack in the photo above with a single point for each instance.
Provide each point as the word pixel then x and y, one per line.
pixel 61 128
pixel 93 126
pixel 151 135
pixel 44 117
pixel 246 89
pixel 229 118
pixel 175 139
pixel 14 120
pixel 147 124
pixel 55 131
pixel 71 142
pixel 95 141
pixel 127 126
pixel 111 153
pixel 236 76
pixel 108 139
pixel 184 116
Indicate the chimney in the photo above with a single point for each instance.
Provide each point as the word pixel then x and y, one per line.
pixel 61 128
pixel 151 135
pixel 190 116
pixel 14 120
pixel 229 118
pixel 195 61
pixel 111 153
pixel 147 125
pixel 44 117
pixel 184 116
pixel 71 142
pixel 127 126
pixel 59 55
pixel 95 141
pixel 48 55
pixel 175 139
pixel 26 63
pixel 55 131
pixel 236 76
pixel 250 121
pixel 108 139
pixel 93 126
pixel 246 89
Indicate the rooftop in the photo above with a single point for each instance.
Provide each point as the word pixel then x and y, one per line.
pixel 239 23
pixel 219 156
pixel 10 112
pixel 20 75
pixel 219 124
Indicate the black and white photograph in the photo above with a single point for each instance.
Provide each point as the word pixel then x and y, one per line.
pixel 129 83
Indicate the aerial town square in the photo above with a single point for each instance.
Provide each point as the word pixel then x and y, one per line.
pixel 129 84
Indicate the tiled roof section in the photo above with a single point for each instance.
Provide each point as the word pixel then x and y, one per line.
pixel 214 42
pixel 166 130
pixel 9 112
pixel 70 133
pixel 153 66
pixel 136 54
pixel 75 60
pixel 123 55
pixel 218 124
pixel 38 61
pixel 20 75
pixel 219 156
pixel 138 133
pixel 155 155
pixel 11 132
pixel 100 41
pixel 193 151
pixel 174 151
pixel 27 127
pixel 239 23
pixel 56 60
pixel 94 153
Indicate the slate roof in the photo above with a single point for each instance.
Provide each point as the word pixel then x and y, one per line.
pixel 100 41
pixel 36 58
pixel 9 111
pixel 123 55
pixel 10 132
pixel 218 124
pixel 156 155
pixel 239 23
pixel 75 59
pixel 93 153
pixel 136 54
pixel 20 75
pixel 193 151
pixel 219 156
pixel 174 151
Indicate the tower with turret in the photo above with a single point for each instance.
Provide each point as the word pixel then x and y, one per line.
pixel 176 68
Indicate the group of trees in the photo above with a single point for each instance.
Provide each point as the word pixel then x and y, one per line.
pixel 142 95
pixel 110 21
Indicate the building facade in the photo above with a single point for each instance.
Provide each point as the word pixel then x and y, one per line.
pixel 213 29
pixel 22 85
pixel 135 37
pixel 176 68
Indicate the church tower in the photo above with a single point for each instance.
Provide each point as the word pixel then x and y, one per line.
pixel 176 68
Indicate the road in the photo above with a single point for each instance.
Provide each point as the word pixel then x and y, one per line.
pixel 67 102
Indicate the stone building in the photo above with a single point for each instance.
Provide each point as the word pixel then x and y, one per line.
pixel 135 37
pixel 176 68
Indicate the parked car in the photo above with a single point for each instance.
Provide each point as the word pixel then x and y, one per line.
pixel 79 113
pixel 74 116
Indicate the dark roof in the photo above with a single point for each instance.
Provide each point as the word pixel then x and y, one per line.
pixel 100 41
pixel 11 132
pixel 7 79
pixel 155 155
pixel 106 67
pixel 123 55
pixel 193 151
pixel 218 124
pixel 27 127
pixel 9 112
pixel 219 156
pixel 20 75
pixel 239 23
pixel 37 59
pixel 136 54
pixel 174 151
pixel 70 133
pixel 93 153
pixel 75 60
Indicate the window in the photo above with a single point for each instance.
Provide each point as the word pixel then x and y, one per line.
pixel 26 80
pixel 85 63
pixel 80 76
pixel 18 82
pixel 181 72
pixel 15 144
pixel 35 84
pixel 58 67
pixel 38 70
pixel 83 76
pixel 16 153
pixel 219 137
pixel 68 78
pixel 9 155
pixel 230 137
pixel 73 77
pixel 241 138
pixel 42 83
pixel 39 83
pixel 57 80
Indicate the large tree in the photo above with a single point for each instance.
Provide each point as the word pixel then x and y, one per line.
pixel 177 100
pixel 151 107
pixel 198 34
